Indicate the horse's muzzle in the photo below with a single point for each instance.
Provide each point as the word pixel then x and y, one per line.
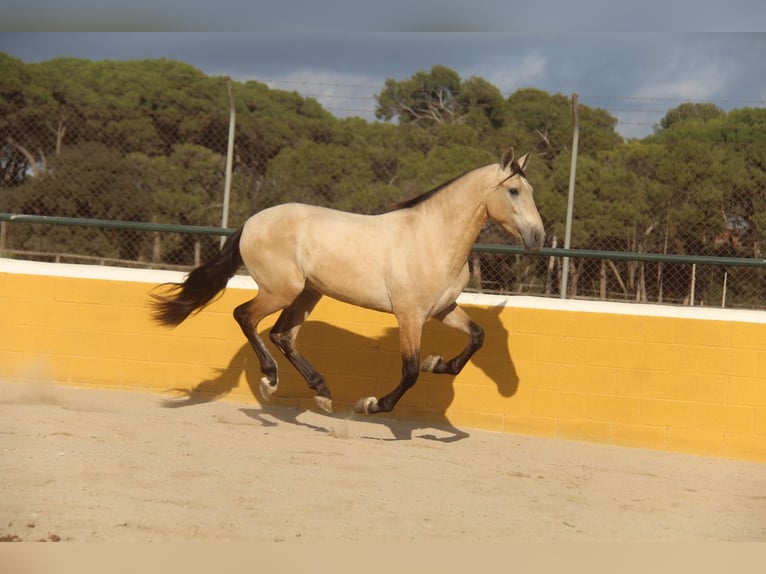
pixel 533 239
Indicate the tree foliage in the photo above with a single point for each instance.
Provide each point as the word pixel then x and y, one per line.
pixel 146 141
pixel 440 96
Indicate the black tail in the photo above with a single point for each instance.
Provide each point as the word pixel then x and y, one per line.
pixel 200 286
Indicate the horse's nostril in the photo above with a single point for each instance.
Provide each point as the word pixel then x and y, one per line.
pixel 535 240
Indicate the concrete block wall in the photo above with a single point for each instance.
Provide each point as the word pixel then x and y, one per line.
pixel 690 380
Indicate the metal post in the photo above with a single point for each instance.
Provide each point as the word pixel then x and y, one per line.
pixel 570 199
pixel 229 159
pixel 694 281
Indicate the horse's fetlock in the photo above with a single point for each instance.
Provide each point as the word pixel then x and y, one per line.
pixel 431 362
pixel 366 406
pixel 316 383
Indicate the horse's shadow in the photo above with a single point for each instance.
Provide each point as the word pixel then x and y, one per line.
pixel 313 342
pixel 271 416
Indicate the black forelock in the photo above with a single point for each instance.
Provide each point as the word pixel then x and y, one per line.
pixel 516 169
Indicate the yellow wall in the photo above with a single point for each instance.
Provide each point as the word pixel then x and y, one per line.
pixel 668 378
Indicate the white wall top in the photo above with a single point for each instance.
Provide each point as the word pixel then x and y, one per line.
pixel 104 272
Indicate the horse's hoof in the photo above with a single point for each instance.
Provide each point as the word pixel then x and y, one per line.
pixel 366 406
pixel 430 363
pixel 324 403
pixel 267 389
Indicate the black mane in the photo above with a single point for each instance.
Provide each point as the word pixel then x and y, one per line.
pixel 407 203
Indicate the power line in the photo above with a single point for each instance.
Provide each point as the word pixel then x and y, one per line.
pixel 330 84
pixel 677 99
pixel 618 112
pixel 672 99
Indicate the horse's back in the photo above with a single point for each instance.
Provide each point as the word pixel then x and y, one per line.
pixel 293 224
pixel 343 255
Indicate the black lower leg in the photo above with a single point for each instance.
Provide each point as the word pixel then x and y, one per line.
pixel 410 371
pixel 285 342
pixel 268 364
pixel 456 364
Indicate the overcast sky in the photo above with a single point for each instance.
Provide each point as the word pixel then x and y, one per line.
pixel 637 76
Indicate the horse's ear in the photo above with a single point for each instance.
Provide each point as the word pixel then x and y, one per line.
pixel 524 160
pixel 507 160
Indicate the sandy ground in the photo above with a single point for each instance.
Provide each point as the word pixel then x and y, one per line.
pixel 91 465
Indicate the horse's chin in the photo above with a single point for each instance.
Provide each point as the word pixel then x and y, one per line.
pixel 532 246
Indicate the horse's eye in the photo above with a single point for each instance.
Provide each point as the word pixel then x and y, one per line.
pixel 513 191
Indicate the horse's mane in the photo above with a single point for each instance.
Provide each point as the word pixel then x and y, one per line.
pixel 407 203
pixel 516 169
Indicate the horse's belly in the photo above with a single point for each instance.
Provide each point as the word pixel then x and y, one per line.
pixel 353 287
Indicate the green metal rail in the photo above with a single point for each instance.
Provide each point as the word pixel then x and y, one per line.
pixel 623 255
pixel 480 247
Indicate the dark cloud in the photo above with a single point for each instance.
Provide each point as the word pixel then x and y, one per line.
pixel 540 16
pixel 637 76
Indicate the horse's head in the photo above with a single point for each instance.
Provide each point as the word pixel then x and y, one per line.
pixel 511 204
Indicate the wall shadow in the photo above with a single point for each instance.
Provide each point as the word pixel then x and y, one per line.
pixel 489 319
pixel 315 335
pixel 224 381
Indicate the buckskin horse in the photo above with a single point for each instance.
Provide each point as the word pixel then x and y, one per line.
pixel 411 261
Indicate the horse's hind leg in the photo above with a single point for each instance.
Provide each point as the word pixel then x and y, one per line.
pixel 284 335
pixel 248 315
pixel 453 316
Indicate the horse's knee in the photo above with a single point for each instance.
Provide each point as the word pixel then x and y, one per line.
pixel 477 335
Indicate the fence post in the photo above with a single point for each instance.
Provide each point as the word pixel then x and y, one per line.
pixel 693 284
pixel 570 199
pixel 229 160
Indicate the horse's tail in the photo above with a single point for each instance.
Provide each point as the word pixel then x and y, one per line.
pixel 200 286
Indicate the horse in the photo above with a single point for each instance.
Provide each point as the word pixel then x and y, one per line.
pixel 411 261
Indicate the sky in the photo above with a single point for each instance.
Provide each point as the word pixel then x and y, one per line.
pixel 636 76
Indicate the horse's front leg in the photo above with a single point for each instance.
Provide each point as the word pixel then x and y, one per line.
pixel 409 336
pixel 453 316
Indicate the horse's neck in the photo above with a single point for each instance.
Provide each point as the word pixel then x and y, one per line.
pixel 463 203
pixel 460 211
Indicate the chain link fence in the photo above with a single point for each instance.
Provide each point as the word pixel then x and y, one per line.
pixel 695 187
